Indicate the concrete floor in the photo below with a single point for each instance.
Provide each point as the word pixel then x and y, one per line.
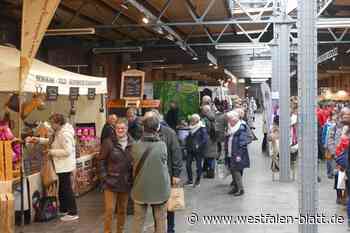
pixel 263 196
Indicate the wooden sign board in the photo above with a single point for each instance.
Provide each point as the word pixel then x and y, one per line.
pixel 51 93
pixel 132 85
pixel 73 93
pixel 91 93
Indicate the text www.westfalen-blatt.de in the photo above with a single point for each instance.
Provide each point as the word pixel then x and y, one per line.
pixel 194 218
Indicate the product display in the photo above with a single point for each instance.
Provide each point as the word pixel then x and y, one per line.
pixel 87 142
pixel 86 175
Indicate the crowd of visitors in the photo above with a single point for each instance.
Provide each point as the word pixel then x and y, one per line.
pixel 333 146
pixel 141 157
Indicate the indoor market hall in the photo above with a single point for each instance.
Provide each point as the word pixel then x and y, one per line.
pixel 174 116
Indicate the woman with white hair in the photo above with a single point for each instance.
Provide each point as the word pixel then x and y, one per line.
pixel 237 157
pixel 196 144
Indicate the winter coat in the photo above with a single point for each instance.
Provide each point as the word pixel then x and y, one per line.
pixel 334 136
pixel 221 126
pixel 152 184
pixel 62 149
pixel 211 150
pixel 239 158
pixel 135 129
pixel 197 142
pixel 169 136
pixel 115 165
pixel 172 118
pixel 108 131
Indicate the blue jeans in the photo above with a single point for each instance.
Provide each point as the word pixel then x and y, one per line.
pixel 209 164
pixel 199 160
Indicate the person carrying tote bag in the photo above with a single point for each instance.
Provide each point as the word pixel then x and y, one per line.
pixel 151 186
pixel 62 152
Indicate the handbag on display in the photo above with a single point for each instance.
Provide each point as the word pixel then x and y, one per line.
pixel 176 201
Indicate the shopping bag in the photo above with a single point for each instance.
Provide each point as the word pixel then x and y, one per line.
pixel 45 209
pixel 176 201
pixel 48 173
pixel 222 170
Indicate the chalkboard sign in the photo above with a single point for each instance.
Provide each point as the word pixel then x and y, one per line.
pixel 91 93
pixel 73 93
pixel 51 93
pixel 132 85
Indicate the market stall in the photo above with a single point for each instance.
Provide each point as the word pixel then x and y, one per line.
pixel 50 89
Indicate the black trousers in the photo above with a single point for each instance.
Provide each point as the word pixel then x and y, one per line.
pixel 66 195
pixel 171 222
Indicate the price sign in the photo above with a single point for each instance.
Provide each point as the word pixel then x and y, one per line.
pixel 51 93
pixel 91 93
pixel 73 93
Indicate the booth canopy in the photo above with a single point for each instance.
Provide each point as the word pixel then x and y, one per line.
pixel 43 75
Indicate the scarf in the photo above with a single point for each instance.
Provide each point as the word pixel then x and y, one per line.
pixel 123 142
pixel 233 129
pixel 196 127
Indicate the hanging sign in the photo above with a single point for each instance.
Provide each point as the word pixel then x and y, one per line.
pixel 91 93
pixel 73 93
pixel 51 93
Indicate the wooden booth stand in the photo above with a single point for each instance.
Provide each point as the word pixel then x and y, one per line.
pixel 131 93
pixel 48 89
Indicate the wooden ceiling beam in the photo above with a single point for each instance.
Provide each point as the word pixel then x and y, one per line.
pixel 63 6
pixel 126 17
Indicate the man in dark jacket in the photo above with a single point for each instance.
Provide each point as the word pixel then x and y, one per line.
pixel 169 136
pixel 108 130
pixel 211 151
pixel 172 116
pixel 196 144
pixel 135 124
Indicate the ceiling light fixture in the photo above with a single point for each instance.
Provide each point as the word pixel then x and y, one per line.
pixel 145 20
pixel 210 64
pixel 117 50
pixel 124 6
pixel 129 67
pixel 235 46
pixel 195 58
pixel 170 37
pixel 162 60
pixel 70 32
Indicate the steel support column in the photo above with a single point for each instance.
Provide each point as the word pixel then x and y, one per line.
pixel 284 94
pixel 307 132
pixel 281 83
